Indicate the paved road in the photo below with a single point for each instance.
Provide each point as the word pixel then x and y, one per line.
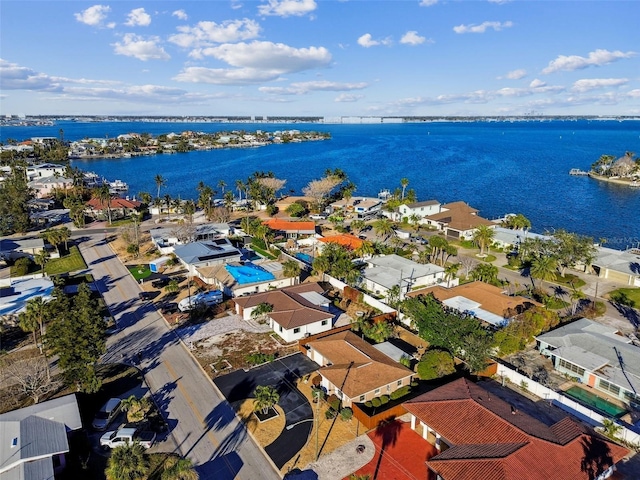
pixel 202 425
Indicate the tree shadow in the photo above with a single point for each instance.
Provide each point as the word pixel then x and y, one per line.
pixel 222 467
pixel 597 456
pixel 628 312
pixel 388 431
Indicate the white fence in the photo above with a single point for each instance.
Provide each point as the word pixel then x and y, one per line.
pixel 7 282
pixel 565 403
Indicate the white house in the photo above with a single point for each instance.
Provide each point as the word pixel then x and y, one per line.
pixel 387 271
pixel 419 209
pixel 362 206
pixel 46 186
pixel 45 170
pixel 205 254
pixel 296 312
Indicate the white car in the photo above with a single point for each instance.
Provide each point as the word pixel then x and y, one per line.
pixel 213 297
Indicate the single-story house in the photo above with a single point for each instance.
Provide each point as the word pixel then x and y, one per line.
pixel 230 279
pixel 619 266
pixel 35 439
pixel 362 206
pixel 355 371
pixel 12 248
pixel 346 240
pixel 597 355
pixel 419 209
pixel 386 271
pixel 479 436
pixel 46 186
pixel 458 220
pixel 291 229
pixel 486 302
pixel 507 238
pixel 120 208
pixel 16 294
pixel 206 253
pixel 296 312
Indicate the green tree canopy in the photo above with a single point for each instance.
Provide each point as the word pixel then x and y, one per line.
pixel 435 364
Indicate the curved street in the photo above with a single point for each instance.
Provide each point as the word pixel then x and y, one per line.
pixel 202 425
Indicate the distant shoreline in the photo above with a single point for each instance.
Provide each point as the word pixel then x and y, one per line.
pixel 618 181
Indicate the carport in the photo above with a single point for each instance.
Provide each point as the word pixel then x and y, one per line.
pixel 281 374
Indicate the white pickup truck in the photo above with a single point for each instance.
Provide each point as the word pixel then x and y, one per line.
pixel 124 436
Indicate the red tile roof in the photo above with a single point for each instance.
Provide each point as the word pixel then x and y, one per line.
pixel 289 226
pixel 350 241
pixel 490 439
pixel 116 202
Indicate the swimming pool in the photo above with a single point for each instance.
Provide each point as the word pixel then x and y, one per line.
pixel 249 273
pixel 595 402
pixel 305 257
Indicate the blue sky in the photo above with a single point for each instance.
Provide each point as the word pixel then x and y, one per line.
pixel 320 57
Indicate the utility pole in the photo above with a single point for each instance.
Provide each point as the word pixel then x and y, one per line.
pixel 317 394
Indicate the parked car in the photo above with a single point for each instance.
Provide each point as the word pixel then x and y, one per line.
pixel 161 282
pixel 210 298
pixel 124 436
pixel 106 414
pixel 144 296
pixel 318 216
pixel 169 307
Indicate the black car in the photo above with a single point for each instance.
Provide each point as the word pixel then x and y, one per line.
pixel 144 295
pixel 160 282
pixel 170 307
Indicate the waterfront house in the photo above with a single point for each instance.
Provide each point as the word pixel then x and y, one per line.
pixel 458 220
pixel 487 303
pixel 291 229
pixel 509 239
pixel 480 436
pixel 35 439
pixel 361 206
pixel 43 170
pixel 296 312
pixel 353 370
pixel 620 266
pixel 206 253
pixel 47 186
pixel 596 355
pixel 387 271
pixel 419 209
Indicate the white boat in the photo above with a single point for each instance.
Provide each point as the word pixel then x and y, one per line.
pixel 118 186
pixel 384 194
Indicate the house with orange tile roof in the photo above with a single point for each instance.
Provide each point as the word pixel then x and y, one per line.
pixel 458 220
pixel 355 371
pixel 486 302
pixel 120 208
pixel 347 240
pixel 296 312
pixel 479 436
pixel 290 229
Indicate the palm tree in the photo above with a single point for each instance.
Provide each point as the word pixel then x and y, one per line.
pixel 240 187
pixel 37 308
pixel 167 202
pixel 64 236
pixel 291 268
pixel 261 311
pixel 228 199
pixel 356 226
pixel 189 208
pixel 221 185
pixel 176 203
pixel 404 182
pixel 127 462
pixel 365 249
pixel 176 468
pixel 41 259
pixel 29 323
pixel 576 297
pixel 160 182
pixel 266 397
pixel 104 195
pixel 610 428
pixel 172 287
pixel 544 268
pixel 136 408
pixel 482 236
pixel 450 272
pixel 145 197
pixel 415 221
pixel 383 228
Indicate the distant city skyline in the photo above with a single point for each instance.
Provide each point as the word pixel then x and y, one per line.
pixel 320 58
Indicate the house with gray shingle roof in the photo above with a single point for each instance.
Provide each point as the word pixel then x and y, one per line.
pixel 619 266
pixel 33 440
pixel 206 254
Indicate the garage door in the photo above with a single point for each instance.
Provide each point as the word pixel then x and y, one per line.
pixel 618 277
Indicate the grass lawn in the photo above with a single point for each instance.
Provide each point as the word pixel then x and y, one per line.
pixel 556 303
pixel 489 258
pixel 569 279
pixel 140 271
pixel 264 253
pixel 626 296
pixel 68 263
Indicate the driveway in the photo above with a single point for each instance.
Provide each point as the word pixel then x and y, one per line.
pixel 282 375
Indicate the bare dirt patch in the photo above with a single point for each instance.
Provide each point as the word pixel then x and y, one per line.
pixel 263 432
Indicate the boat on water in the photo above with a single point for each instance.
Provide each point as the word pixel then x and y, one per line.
pixel 578 173
pixel 384 194
pixel 118 186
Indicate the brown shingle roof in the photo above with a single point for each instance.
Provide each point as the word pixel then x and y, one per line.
pixel 356 367
pixel 517 446
pixel 459 216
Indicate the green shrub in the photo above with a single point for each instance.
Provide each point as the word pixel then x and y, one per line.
pixel 259 358
pixel 401 392
pixel 384 399
pixel 435 364
pixel 346 413
pixel 405 360
pixel 376 402
pixel 330 413
pixel 21 266
pixel 334 402
pixel 271 210
pixel 368 404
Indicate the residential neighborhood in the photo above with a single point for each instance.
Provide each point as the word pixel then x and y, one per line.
pixel 346 337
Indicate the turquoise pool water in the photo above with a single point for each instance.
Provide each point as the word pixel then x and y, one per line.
pixel 305 257
pixel 597 403
pixel 249 273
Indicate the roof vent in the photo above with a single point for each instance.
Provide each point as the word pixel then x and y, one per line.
pixel 513 410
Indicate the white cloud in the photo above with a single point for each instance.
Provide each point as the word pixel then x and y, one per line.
pixel 136 46
pixel 499 2
pixel 16 77
pixel 596 58
pixel 367 41
pixel 634 93
pixel 180 15
pixel 208 33
pixel 536 83
pixel 347 97
pixel 221 76
pixel 301 88
pixel 587 84
pixel 138 18
pixel 483 27
pixel 516 74
pixel 428 3
pixel 95 16
pixel 412 38
pixel 288 8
